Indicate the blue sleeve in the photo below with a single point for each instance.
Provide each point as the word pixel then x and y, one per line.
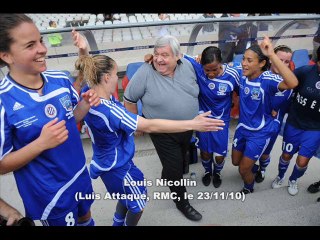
pixel 6 145
pixel 121 119
pixel 273 86
pixel 196 66
pixel 194 63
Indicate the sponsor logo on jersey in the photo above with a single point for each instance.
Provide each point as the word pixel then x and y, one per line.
pixel 255 92
pixel 17 106
pixel 318 85
pixel 66 103
pixel 222 89
pixel 211 86
pixel 50 111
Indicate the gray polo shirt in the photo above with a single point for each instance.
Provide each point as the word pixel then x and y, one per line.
pixel 164 97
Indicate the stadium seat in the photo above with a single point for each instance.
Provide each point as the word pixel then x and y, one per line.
pixel 130 71
pixel 237 58
pixel 300 57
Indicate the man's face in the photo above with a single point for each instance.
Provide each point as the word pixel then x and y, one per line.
pixel 164 60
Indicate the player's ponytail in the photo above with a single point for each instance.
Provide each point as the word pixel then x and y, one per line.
pixel 92 68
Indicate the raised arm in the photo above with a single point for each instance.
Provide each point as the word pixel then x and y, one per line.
pixel 290 81
pixel 89 99
pixel 80 42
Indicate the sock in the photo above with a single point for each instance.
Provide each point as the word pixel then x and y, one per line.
pixel 282 167
pixel 264 164
pixel 120 215
pixel 297 172
pixel 217 167
pixel 255 168
pixel 249 186
pixel 88 223
pixel 207 164
pixel 132 219
pixel 118 220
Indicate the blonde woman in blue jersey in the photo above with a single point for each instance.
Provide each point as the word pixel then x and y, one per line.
pixel 111 129
pixel 256 124
pixel 39 140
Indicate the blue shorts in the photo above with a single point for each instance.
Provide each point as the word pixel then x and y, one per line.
pixel 214 142
pixel 71 218
pixel 272 141
pixel 250 143
pixel 120 180
pixel 304 142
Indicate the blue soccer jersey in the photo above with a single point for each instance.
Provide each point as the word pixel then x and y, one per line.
pixel 216 94
pixel 49 182
pixel 256 101
pixel 111 129
pixel 281 102
pixel 304 112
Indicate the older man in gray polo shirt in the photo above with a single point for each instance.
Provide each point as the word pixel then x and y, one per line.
pixel 168 90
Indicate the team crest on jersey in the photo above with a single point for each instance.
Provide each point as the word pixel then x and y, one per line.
pixel 211 86
pixel 222 89
pixel 50 111
pixel 66 103
pixel 246 90
pixel 318 85
pixel 255 92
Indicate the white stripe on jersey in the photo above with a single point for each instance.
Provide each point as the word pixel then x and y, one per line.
pixel 124 118
pixel 255 84
pixel 37 98
pixel 4 83
pixel 234 73
pixel 264 148
pixel 6 86
pixel 90 133
pixel 34 95
pixel 121 114
pixel 112 165
pixel 59 75
pixel 268 74
pixel 218 117
pixel 2 155
pixel 53 202
pixel 136 191
pixel 2 111
pixel 104 118
pixel 253 129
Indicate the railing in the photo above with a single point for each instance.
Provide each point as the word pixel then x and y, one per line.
pixel 129 42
